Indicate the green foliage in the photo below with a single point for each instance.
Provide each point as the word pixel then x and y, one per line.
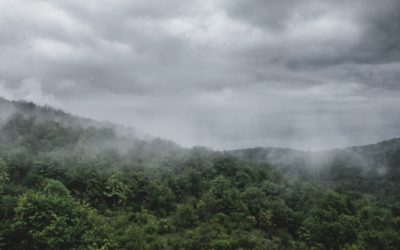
pixel 49 221
pixel 68 186
pixel 185 216
pixel 116 190
pixel 54 187
pixel 3 174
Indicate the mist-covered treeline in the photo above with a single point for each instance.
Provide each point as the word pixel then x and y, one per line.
pixel 372 169
pixel 65 185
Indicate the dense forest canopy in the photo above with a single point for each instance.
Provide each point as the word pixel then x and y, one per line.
pixel 73 183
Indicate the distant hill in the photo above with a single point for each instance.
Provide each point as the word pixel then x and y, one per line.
pixel 381 158
pixel 47 113
pixel 45 129
pixel 374 168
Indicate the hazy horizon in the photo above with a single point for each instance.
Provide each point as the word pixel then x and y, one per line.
pixel 309 75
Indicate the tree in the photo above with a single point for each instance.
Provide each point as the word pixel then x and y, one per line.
pixel 185 216
pixel 52 221
pixel 116 190
pixel 54 187
pixel 3 174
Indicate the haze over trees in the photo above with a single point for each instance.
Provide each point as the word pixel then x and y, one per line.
pixel 72 183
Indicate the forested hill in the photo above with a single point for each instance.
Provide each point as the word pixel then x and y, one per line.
pixel 74 183
pixel 47 113
pixel 372 168
pixel 381 157
pixel 29 109
pixel 44 130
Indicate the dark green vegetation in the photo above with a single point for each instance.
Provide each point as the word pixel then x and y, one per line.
pixel 68 183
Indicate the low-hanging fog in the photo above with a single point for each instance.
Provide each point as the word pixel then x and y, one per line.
pixel 225 74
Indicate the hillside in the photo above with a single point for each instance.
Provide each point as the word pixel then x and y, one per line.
pixel 39 129
pixel 372 168
pixel 74 183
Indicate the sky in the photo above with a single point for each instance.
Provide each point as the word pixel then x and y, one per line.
pixel 308 74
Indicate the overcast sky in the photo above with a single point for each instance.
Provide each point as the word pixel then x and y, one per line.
pixel 309 74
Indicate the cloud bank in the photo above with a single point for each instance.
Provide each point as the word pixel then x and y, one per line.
pixel 225 74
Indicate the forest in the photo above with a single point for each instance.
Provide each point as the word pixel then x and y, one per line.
pixel 72 183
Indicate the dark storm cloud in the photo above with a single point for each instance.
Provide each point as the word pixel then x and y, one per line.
pixel 376 22
pixel 381 42
pixel 274 14
pixel 305 73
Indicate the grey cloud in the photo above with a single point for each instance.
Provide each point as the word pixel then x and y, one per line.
pixel 220 73
pixel 273 14
pixel 375 24
pixel 381 40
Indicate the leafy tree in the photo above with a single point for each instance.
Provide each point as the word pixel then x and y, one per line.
pixel 54 187
pixel 116 190
pixel 3 174
pixel 51 221
pixel 185 216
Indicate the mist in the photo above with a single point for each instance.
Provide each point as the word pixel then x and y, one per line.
pixel 313 75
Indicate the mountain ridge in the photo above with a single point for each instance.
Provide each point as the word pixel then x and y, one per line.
pixel 59 115
pixel 62 181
